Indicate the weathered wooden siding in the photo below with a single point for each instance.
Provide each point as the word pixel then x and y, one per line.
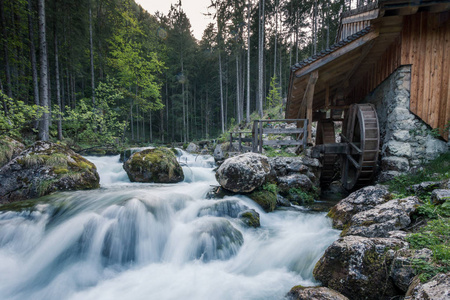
pixel 378 72
pixel 426 47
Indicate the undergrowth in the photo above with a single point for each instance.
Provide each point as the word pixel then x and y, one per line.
pixel 435 234
pixel 435 170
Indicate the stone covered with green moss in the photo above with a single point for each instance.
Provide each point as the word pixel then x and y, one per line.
pixel 266 199
pixel 314 292
pixel 154 165
pixel 357 267
pixel 9 148
pixel 43 168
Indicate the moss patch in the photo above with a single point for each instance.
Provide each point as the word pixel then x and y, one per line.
pixel 266 199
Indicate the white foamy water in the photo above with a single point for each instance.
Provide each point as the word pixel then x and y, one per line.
pixel 156 241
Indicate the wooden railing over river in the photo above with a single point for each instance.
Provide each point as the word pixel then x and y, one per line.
pixel 299 133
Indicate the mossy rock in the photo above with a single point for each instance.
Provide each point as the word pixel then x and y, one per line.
pixel 154 165
pixel 44 168
pixel 266 199
pixel 9 148
pixel 250 218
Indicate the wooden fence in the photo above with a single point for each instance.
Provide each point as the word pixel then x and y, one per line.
pixel 300 132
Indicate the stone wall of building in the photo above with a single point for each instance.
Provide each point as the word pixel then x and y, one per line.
pixel 407 142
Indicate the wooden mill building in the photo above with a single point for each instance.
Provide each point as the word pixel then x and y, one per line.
pixel 394 54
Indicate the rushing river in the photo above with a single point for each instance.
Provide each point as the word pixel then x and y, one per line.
pixel 156 241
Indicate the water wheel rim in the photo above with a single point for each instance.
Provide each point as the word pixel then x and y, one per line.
pixel 325 134
pixel 362 131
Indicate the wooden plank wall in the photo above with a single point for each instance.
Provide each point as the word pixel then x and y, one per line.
pixel 388 62
pixel 426 46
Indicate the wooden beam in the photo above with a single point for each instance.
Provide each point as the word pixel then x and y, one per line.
pixel 356 65
pixel 341 51
pixel 327 96
pixel 308 99
pixel 409 10
pixel 366 16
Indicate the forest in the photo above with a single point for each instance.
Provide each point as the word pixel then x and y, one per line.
pixel 106 72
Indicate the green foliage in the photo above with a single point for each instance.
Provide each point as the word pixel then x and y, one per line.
pixel 271 152
pixel 430 211
pixel 436 237
pixel 299 194
pixel 17 116
pixel 435 170
pixel 99 125
pixel 274 96
pixel 270 187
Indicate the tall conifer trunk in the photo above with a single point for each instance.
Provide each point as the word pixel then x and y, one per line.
pixel 45 120
pixel 34 72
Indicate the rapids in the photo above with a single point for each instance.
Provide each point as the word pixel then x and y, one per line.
pixel 156 241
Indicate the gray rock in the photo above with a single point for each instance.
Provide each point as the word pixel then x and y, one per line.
pixel 9 149
pixel 438 288
pixel 402 271
pixel 424 187
pixel 440 196
pixel 356 267
pixel 393 163
pixel 43 168
pixel 394 148
pixel 286 165
pixel 154 165
pixel 298 181
pixel 281 201
pixel 250 217
pixel 314 293
pixel 435 147
pixel 358 201
pixel 380 220
pixel 218 153
pixel 243 173
pixel 192 148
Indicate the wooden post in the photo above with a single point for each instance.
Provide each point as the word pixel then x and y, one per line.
pixel 240 141
pixel 231 141
pixel 309 95
pixel 255 136
pixel 327 96
pixel 260 137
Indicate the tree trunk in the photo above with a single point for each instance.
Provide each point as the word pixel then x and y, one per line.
pixel 261 59
pixel 58 88
pixel 34 71
pixel 222 120
pixel 45 120
pixel 238 91
pixel 91 49
pixel 8 86
pixel 276 40
pixel 248 61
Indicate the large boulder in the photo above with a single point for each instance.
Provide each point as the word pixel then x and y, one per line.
pixel 438 288
pixel 380 220
pixel 402 271
pixel 294 181
pixel 154 165
pixel 358 201
pixel 356 267
pixel 266 199
pixel 43 168
pixel 440 196
pixel 314 293
pixel 284 166
pixel 192 148
pixel 243 173
pixel 9 148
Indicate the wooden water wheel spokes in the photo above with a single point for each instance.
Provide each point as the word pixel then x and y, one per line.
pixel 325 135
pixel 361 133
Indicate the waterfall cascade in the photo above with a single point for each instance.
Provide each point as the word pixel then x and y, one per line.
pixel 156 241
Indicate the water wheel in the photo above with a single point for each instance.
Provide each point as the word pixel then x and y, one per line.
pixel 325 135
pixel 361 132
